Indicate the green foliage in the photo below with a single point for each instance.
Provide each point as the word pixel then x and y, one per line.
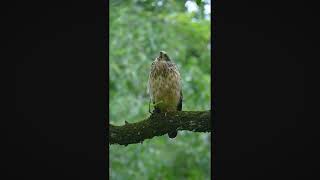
pixel 138 31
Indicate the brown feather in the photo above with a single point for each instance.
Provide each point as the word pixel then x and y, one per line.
pixel 165 86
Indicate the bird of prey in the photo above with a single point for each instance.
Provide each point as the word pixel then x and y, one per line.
pixel 165 87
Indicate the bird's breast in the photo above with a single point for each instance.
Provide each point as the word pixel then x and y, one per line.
pixel 165 89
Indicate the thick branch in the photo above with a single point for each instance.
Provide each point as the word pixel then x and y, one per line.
pixel 159 124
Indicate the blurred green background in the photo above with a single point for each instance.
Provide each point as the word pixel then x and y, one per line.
pixel 139 30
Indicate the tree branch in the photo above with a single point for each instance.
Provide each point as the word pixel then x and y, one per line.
pixel 159 124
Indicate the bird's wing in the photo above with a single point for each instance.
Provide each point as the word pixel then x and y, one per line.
pixel 179 107
pixel 175 68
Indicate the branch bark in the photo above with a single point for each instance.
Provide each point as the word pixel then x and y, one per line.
pixel 159 124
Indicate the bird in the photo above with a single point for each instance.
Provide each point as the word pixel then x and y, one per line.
pixel 165 87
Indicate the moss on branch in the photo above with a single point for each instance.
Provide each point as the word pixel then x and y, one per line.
pixel 159 124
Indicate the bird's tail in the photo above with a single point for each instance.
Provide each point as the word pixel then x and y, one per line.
pixel 173 134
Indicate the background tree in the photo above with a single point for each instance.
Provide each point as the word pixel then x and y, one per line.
pixel 138 31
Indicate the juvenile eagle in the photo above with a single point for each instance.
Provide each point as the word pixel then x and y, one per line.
pixel 165 87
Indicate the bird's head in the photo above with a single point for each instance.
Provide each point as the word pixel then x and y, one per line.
pixel 161 65
pixel 163 56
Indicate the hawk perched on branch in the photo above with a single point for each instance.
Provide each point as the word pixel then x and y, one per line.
pixel 165 87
